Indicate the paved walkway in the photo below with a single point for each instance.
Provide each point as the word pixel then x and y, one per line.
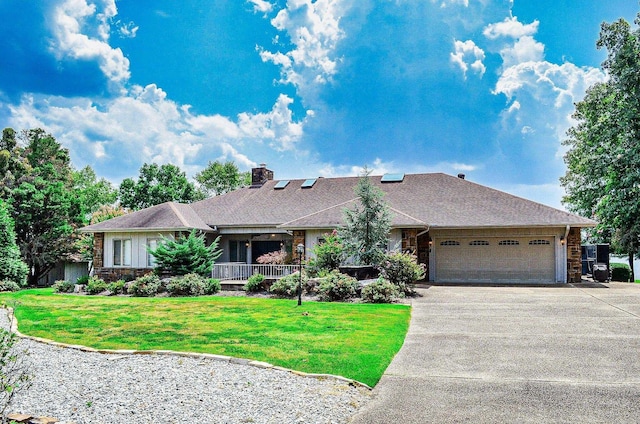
pixel 567 354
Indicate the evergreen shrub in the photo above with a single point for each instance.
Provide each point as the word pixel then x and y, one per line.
pixel 380 291
pixel 187 285
pixel 63 286
pixel 338 287
pixel 96 286
pixel 145 286
pixel 620 272
pixel 255 283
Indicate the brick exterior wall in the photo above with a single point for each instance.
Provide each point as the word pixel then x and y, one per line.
pixel 410 241
pixel 98 250
pixel 298 238
pixel 574 256
pixel 115 274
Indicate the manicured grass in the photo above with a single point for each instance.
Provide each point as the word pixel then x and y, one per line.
pixel 356 341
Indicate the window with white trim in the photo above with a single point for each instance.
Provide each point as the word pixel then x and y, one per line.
pixel 509 243
pixel 538 242
pixel 479 243
pixel 122 252
pixel 152 244
pixel 449 243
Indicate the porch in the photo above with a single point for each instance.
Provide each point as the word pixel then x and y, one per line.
pixel 239 271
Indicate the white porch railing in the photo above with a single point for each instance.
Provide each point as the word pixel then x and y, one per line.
pixel 241 271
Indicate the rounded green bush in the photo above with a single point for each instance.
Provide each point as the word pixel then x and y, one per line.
pixel 255 283
pixel 96 286
pixel 287 286
pixel 145 286
pixel 380 291
pixel 63 286
pixel 11 286
pixel 117 287
pixel 403 270
pixel 620 272
pixel 211 286
pixel 187 285
pixel 337 286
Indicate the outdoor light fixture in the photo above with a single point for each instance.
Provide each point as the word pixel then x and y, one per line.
pixel 300 250
pixel 561 239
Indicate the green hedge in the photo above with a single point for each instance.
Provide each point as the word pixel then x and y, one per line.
pixel 620 272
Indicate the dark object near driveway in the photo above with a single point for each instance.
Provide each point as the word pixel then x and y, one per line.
pixel 360 272
pixel 600 272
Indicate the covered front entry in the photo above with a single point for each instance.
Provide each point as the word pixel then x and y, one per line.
pixel 495 259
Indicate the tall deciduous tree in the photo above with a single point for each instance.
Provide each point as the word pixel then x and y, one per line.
pixel 365 233
pixel 603 161
pixel 93 193
pixel 37 186
pixel 157 184
pixel 219 178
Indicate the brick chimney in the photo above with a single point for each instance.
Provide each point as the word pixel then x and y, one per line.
pixel 260 175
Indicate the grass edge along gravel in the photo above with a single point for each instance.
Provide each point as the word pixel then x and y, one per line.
pixel 356 341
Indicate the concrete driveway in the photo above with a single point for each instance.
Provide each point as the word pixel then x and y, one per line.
pixel 568 354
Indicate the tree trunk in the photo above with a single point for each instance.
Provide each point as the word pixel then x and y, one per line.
pixel 631 254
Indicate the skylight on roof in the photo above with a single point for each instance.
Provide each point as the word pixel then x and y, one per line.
pixel 392 178
pixel 281 184
pixel 308 183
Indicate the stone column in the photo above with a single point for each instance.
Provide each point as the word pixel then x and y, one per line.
pixel 574 256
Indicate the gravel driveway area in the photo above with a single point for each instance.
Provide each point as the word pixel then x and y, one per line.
pixel 87 387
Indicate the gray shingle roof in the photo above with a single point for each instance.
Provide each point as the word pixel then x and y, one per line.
pixel 420 200
pixel 166 216
pixel 437 200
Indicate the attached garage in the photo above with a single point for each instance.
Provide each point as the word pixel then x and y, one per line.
pixel 503 258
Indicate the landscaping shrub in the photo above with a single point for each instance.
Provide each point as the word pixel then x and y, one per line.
pixel 328 255
pixel 145 286
pixel 620 272
pixel 337 286
pixel 84 280
pixel 9 286
pixel 96 286
pixel 277 257
pixel 117 287
pixel 186 255
pixel 187 285
pixel 63 286
pixel 211 286
pixel 255 283
pixel 403 270
pixel 380 291
pixel 287 286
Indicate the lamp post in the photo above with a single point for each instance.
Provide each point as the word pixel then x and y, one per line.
pixel 300 250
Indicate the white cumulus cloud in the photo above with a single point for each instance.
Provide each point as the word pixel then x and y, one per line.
pixel 146 126
pixel 510 27
pixel 314 30
pixel 81 31
pixel 261 6
pixel 468 55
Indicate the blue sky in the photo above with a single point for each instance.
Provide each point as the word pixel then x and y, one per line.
pixel 312 88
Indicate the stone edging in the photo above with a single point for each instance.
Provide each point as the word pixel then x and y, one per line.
pixel 222 358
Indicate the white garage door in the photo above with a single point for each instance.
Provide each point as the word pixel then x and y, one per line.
pixel 495 259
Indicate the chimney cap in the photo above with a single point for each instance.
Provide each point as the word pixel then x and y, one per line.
pixel 461 176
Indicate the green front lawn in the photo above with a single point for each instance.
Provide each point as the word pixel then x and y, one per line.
pixel 356 341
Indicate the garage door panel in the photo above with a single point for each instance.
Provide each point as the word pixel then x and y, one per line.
pixel 495 259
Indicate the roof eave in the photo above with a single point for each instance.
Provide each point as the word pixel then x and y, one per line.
pixel 143 230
